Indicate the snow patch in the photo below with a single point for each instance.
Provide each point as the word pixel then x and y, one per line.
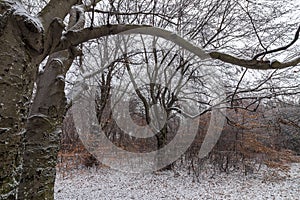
pixel 19 10
pixel 106 183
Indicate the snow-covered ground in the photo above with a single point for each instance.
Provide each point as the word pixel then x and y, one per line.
pixel 104 183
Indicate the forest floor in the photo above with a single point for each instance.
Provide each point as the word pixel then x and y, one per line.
pixel 105 183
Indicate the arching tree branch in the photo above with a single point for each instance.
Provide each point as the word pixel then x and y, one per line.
pixel 73 38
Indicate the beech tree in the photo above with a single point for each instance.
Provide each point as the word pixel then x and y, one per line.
pixel 33 101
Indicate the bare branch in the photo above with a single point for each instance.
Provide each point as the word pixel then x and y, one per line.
pixel 117 13
pixel 280 48
pixel 76 37
pixel 73 38
pixel 237 86
pixel 253 64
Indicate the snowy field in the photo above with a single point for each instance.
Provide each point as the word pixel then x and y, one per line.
pixel 104 183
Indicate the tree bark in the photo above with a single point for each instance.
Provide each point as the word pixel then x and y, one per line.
pixel 16 84
pixel 43 130
pixel 29 140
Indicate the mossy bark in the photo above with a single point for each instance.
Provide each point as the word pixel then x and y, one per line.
pixel 29 127
pixel 16 84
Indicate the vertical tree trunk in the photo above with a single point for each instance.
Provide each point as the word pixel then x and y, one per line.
pixel 29 140
pixel 43 130
pixel 16 84
pixel 161 138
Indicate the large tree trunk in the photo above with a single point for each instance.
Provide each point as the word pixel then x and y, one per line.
pixel 29 139
pixel 16 84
